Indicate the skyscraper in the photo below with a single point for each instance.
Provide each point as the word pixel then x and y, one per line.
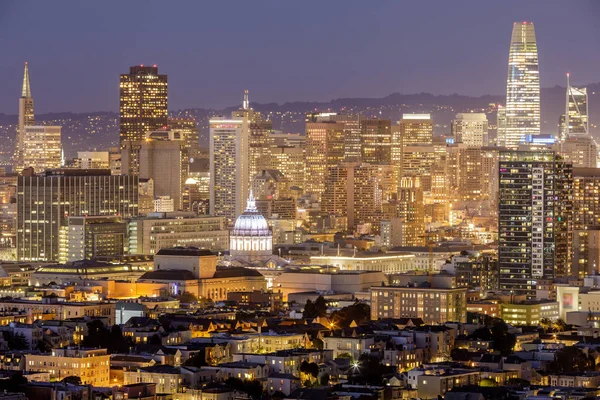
pixel 416 129
pixel 574 122
pixel 534 219
pixel 522 87
pixel 576 144
pixel 376 141
pixel 143 107
pixel 26 118
pixel 229 162
pixel 324 150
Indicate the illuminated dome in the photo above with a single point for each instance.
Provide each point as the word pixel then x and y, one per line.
pixel 251 239
pixel 251 222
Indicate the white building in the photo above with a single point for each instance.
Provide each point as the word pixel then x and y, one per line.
pixel 93 160
pixel 251 238
pixel 470 129
pixel 164 204
pixel 229 166
pixel 42 147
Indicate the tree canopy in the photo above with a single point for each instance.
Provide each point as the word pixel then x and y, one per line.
pixel 316 309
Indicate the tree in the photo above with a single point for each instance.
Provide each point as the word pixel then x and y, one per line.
pixel 545 324
pixel 571 359
pixel 504 342
pixel 155 339
pixel 15 341
pixel 560 325
pixel 357 312
pixel 310 368
pixel 488 382
pixel 187 297
pixel 316 309
pixel 73 380
pixel 325 379
pixel 42 346
pixel 13 384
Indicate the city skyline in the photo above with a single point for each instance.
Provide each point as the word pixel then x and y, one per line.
pixel 338 74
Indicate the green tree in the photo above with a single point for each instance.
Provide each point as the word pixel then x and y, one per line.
pixel 73 380
pixel 357 312
pixel 488 382
pixel 15 341
pixel 571 359
pixel 316 309
pixel 187 297
pixel 504 342
pixel 560 325
pixel 545 324
pixel 325 379
pixel 310 368
pixel 155 339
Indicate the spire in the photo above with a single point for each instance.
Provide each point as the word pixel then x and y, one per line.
pixel 26 89
pixel 251 204
pixel 246 102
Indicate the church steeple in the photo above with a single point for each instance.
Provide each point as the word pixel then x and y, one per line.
pixel 26 89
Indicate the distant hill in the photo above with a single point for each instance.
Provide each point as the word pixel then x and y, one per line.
pixel 99 130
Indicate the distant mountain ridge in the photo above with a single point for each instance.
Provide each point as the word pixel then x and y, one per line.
pixel 99 130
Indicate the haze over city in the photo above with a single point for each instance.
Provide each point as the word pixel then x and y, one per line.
pixel 284 51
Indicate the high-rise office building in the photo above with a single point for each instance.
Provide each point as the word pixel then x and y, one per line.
pixel 574 122
pixel 143 107
pixel 189 130
pixel 45 202
pixel 359 192
pixel 41 147
pixel 470 129
pixel 229 167
pixel 259 137
pixel 324 150
pixel 376 141
pixel 581 151
pixel 501 126
pixel 162 157
pixel 534 219
pixel 576 145
pixel 522 87
pixel 411 212
pixel 586 201
pixel 291 162
pixel 416 129
pixel 93 160
pixel 26 118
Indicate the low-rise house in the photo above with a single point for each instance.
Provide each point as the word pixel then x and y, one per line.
pixel 284 383
pixel 168 379
pixel 242 370
pixel 349 341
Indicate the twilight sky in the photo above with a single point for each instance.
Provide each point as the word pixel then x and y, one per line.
pixel 283 50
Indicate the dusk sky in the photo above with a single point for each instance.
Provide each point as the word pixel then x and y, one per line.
pixel 283 50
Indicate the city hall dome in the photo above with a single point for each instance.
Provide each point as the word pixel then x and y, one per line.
pixel 251 239
pixel 251 222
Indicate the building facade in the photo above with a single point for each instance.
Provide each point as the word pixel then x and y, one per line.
pixel 534 219
pixel 142 108
pixel 522 87
pixel 45 202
